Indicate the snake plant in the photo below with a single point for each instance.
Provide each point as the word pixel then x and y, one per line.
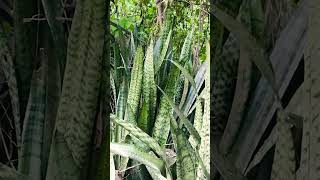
pixel 150 131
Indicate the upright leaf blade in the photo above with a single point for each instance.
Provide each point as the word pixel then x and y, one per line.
pixel 146 121
pixel 32 135
pixel 136 81
pixel 78 103
pixel 163 53
pixel 186 167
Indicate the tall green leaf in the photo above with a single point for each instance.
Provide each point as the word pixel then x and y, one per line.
pixel 163 53
pixel 146 121
pixel 186 167
pixel 32 134
pixel 79 98
pixel 136 81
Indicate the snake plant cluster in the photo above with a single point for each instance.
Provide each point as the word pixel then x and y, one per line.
pixel 160 110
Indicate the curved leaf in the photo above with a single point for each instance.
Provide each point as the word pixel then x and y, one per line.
pixel 133 153
pixel 183 118
pixel 139 134
pixel 186 73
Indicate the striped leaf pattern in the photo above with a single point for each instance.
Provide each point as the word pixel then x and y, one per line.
pixel 145 122
pixel 185 161
pixel 120 110
pixel 310 160
pixel 250 43
pixel 163 52
pixel 32 135
pixel 79 97
pixel 251 15
pixel 224 85
pixel 134 153
pixel 139 134
pixel 136 81
pixel 162 44
pixel 149 110
pixel 284 164
pixel 79 100
pixel 185 121
pixel 162 122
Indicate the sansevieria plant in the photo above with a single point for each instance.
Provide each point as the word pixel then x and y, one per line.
pixel 159 126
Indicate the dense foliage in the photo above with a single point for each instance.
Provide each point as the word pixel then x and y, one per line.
pixel 158 82
pixel 140 18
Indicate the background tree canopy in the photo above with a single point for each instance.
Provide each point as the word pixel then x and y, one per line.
pixel 140 18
